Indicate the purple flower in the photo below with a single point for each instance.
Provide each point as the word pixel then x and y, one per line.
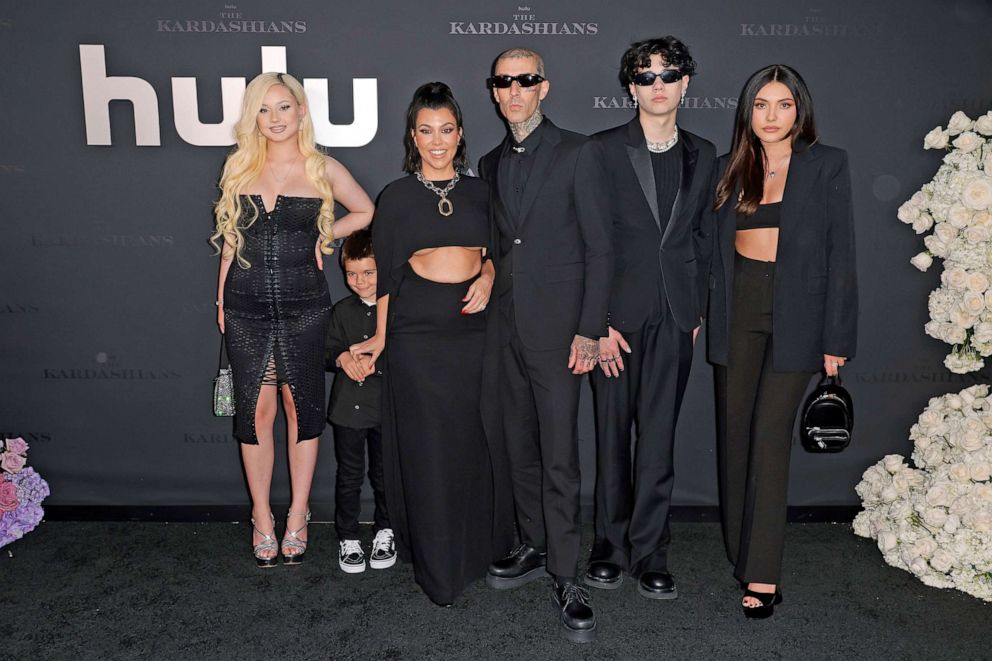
pixel 16 445
pixel 31 488
pixel 8 495
pixel 12 462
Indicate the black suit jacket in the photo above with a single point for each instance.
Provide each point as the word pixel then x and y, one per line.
pixel 651 267
pixel 815 310
pixel 560 243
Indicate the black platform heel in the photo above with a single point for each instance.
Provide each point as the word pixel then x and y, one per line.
pixel 768 602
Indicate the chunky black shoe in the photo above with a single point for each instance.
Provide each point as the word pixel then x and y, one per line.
pixel 657 585
pixel 768 602
pixel 523 565
pixel 578 622
pixel 603 575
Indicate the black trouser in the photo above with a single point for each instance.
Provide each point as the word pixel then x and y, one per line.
pixel 633 497
pixel 349 451
pixel 756 412
pixel 540 398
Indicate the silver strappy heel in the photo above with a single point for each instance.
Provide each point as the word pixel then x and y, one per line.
pixel 292 542
pixel 268 543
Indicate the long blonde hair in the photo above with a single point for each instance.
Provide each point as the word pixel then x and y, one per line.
pixel 245 164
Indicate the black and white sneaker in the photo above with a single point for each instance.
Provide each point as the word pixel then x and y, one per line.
pixel 351 558
pixel 383 550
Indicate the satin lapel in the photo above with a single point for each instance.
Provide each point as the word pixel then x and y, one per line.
pixel 689 156
pixel 798 185
pixel 541 170
pixel 640 158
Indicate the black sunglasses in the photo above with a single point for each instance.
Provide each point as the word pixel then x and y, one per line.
pixel 524 80
pixel 667 76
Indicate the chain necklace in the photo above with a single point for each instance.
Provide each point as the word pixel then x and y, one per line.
pixel 782 161
pixel 288 171
pixel 664 145
pixel 444 205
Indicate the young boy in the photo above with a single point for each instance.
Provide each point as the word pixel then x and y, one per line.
pixel 354 411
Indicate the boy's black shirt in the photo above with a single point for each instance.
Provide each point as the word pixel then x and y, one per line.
pixel 353 404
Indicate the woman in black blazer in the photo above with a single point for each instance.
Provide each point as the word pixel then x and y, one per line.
pixel 783 304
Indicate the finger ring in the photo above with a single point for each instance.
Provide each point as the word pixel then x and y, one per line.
pixel 835 364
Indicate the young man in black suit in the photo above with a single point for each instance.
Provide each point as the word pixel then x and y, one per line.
pixel 551 250
pixel 659 178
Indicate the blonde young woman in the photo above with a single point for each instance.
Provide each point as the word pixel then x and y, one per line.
pixel 274 221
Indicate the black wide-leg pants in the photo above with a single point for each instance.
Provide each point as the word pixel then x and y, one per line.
pixel 756 412
pixel 540 398
pixel 634 490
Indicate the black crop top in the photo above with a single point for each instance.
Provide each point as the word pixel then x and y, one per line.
pixel 767 216
pixel 407 220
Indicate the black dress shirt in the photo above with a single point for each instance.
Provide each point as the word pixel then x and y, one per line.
pixel 353 404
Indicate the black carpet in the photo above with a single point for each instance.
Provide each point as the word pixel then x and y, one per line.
pixel 192 591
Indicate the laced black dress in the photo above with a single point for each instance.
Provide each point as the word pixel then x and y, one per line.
pixel 276 314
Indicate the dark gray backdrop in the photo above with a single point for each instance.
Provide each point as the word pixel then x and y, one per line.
pixel 106 304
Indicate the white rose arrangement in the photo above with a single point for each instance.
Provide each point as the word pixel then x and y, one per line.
pixel 956 208
pixel 935 520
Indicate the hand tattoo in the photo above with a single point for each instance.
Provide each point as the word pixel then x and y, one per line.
pixel 586 349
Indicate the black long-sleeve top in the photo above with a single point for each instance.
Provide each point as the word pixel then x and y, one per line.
pixel 352 404
pixel 407 220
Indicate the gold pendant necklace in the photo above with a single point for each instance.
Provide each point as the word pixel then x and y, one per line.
pixel 444 205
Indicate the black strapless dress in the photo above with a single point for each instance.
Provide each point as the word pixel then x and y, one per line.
pixel 276 314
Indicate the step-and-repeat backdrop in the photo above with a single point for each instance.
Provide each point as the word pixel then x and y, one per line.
pixel 116 120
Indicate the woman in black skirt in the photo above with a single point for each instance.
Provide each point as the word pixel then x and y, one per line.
pixel 445 471
pixel 783 305
pixel 275 218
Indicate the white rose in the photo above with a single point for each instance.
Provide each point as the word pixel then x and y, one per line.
pixel 954 401
pixel 959 472
pixel 922 223
pixel 980 471
pixel 959 216
pixel 938 496
pixel 888 494
pixel 982 492
pixel 973 302
pixel 972 440
pixel 984 124
pixel 987 161
pixel 893 463
pixel 983 335
pixel 887 541
pixel 952 524
pixel 980 520
pixel 935 516
pixel 942 561
pixel 919 566
pixel 959 122
pixel 962 319
pixel 945 232
pixel 938 248
pixel 908 212
pixel 955 278
pixel 977 234
pixel 922 261
pixel 936 139
pixel 977 193
pixel 968 142
pixel 954 334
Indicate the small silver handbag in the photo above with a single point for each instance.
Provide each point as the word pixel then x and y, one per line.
pixel 223 385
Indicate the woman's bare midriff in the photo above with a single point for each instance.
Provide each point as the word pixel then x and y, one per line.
pixel 447 263
pixel 760 244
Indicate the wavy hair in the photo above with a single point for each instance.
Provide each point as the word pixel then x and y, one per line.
pixel 746 166
pixel 673 53
pixel 244 165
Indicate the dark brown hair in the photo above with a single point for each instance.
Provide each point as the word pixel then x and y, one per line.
pixel 433 96
pixel 673 53
pixel 746 167
pixel 357 246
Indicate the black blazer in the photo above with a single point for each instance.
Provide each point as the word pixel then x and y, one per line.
pixel 650 266
pixel 815 311
pixel 560 243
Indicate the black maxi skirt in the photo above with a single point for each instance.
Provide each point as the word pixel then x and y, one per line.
pixel 446 483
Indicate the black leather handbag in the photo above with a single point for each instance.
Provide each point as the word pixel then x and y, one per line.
pixel 828 417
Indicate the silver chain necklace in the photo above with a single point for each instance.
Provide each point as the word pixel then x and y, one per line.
pixel 664 145
pixel 444 205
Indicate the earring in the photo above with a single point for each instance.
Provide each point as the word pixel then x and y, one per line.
pixel 634 99
pixel 682 100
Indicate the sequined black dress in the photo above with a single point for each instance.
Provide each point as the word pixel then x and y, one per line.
pixel 276 313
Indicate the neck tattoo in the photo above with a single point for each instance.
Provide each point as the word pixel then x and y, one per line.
pixel 444 205
pixel 521 130
pixel 664 145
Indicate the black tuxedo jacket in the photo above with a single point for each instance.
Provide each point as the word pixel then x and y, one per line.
pixel 651 267
pixel 815 310
pixel 560 243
